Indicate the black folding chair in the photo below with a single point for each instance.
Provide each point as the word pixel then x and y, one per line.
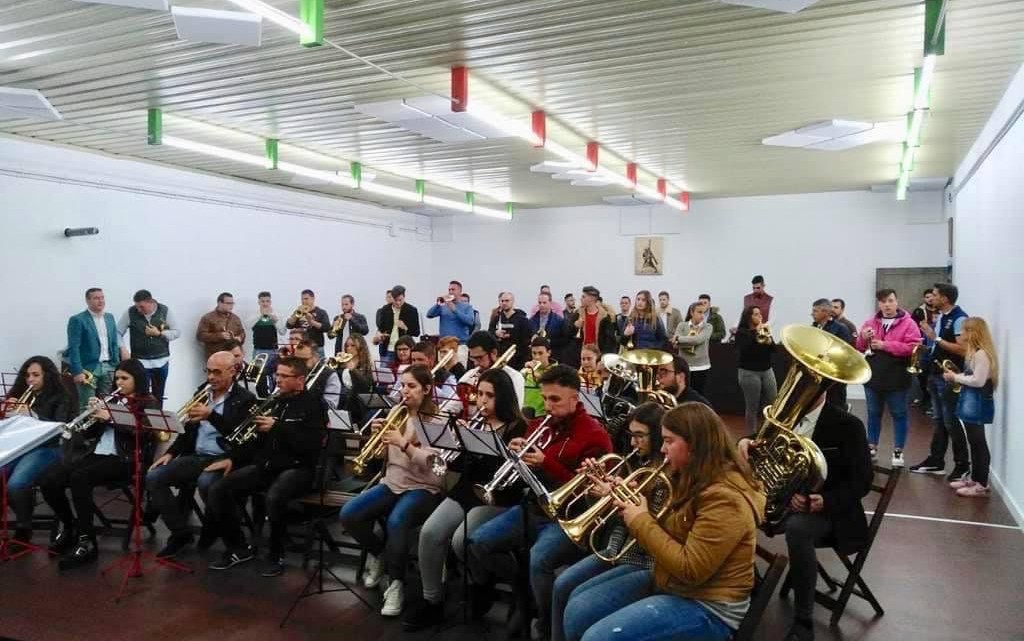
pixel 764 587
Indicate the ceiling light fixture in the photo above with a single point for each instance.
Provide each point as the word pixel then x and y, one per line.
pixel 275 15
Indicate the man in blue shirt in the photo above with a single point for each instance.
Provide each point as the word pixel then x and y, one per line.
pixel 457 317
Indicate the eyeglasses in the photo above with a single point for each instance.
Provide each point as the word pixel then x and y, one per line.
pixel 664 371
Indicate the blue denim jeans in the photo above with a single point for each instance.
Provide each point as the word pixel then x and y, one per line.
pixel 404 512
pixel 550 550
pixel 577 577
pixel 23 471
pixel 627 605
pixel 897 403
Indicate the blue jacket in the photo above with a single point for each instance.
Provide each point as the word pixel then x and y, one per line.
pixel 84 343
pixel 458 323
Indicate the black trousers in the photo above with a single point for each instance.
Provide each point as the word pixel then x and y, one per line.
pixel 281 487
pixel 81 477
pixel 804 531
pixel 836 396
pixel 698 380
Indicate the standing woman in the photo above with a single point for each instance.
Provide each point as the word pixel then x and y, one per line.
pixel 109 462
pixel 754 366
pixel 500 414
pixel 976 406
pixel 405 497
pixel 692 337
pixel 53 401
pixel 644 330
pixel 703 547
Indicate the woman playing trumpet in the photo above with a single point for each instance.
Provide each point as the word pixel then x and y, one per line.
pixel 754 365
pixel 498 412
pixel 703 548
pixel 405 497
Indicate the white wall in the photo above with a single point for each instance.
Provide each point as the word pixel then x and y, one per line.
pixel 186 237
pixel 987 267
pixel 807 246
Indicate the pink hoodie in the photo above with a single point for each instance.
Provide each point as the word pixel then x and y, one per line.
pixel 903 334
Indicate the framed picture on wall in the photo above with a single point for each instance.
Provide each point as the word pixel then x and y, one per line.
pixel 649 255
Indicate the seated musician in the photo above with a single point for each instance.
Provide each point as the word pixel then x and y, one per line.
pixel 405 497
pixel 444 390
pixel 496 402
pixel 357 375
pixel 575 437
pixel 645 439
pixel 831 516
pixel 483 354
pixel 327 384
pixel 590 373
pixel 674 378
pixel 183 465
pixel 109 460
pixel 279 459
pixel 451 344
pixel 703 547
pixel 540 362
pixel 49 400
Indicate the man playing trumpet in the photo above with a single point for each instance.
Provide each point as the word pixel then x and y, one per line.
pixel 312 319
pixel 348 322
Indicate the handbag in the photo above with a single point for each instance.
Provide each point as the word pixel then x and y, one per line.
pixel 976 405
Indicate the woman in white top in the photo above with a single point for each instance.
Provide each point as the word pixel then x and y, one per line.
pixel 692 338
pixel 975 406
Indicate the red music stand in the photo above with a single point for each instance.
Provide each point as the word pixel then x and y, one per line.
pixel 135 559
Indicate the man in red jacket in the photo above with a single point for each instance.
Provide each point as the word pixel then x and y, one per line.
pixel 574 437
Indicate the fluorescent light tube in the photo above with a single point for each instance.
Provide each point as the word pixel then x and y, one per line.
pixel 914 132
pixel 278 17
pixel 317 174
pixel 924 84
pixel 219 152
pixel 492 213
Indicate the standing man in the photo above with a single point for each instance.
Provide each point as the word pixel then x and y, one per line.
pixel 92 347
pixel 556 307
pixel 511 327
pixel 456 317
pixel 948 344
pixel 267 328
pixel 347 322
pixel 622 318
pixel 546 323
pixel 315 321
pixel 713 318
pixel 382 348
pixel 591 324
pixel 220 326
pixel 151 327
pixel 758 297
pixel 394 321
pixel 669 315
pixel 838 311
pixel 570 305
pixel 821 312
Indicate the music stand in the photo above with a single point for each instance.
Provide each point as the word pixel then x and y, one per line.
pixel 335 422
pixel 18 435
pixel 592 403
pixel 157 421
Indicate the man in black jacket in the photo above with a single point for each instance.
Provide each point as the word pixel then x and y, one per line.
pixel 315 321
pixel 394 321
pixel 349 321
pixel 831 516
pixel 674 379
pixel 821 312
pixel 511 327
pixel 183 464
pixel 279 460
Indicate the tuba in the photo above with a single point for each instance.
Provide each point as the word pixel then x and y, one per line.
pixel 785 462
pixel 586 529
pixel 915 359
pixel 645 364
pixel 375 447
pixel 949 366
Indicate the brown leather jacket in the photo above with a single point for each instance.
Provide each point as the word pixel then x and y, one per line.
pixel 705 548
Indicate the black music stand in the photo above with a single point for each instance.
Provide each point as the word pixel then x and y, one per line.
pixel 133 561
pixel 591 400
pixel 317 576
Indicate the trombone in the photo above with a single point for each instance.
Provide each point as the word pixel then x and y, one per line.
pixel 253 370
pixel 513 468
pixel 578 487
pixel 332 363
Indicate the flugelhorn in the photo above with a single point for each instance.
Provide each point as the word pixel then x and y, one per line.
pixel 375 447
pixel 915 359
pixel 578 487
pixel 949 366
pixel 509 471
pixel 764 334
pixel 337 327
pixel 247 430
pixel 299 312
pixel 585 530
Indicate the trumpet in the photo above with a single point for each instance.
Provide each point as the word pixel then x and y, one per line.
pixel 330 363
pixel 578 487
pixel 88 378
pixel 247 430
pixel 510 471
pixel 948 366
pixel 253 370
pixel 375 447
pixel 202 397
pixel 585 529
pixel 26 400
pixel 915 359
pixel 764 334
pixel 87 418
pixel 337 327
pixel 692 349
pixel 299 313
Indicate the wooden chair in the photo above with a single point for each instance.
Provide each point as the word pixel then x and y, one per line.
pixel 764 587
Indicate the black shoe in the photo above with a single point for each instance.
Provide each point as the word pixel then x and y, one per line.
pixel 206 539
pixel 23 534
pixel 85 552
pixel 423 615
pixel 62 538
pixel 234 557
pixel 175 543
pixel 481 600
pixel 958 473
pixel 800 632
pixel 274 566
pixel 928 466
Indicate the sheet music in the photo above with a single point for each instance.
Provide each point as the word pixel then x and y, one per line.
pixel 21 434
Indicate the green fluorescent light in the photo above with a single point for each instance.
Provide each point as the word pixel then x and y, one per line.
pixel 901 186
pixel 907 160
pixel 916 122
pixel 923 82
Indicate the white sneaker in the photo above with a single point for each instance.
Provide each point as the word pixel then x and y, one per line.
pixel 373 573
pixel 897 458
pixel 874 453
pixel 394 599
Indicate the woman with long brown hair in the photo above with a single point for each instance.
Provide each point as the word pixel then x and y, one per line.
pixel 976 405
pixel 644 330
pixel 703 547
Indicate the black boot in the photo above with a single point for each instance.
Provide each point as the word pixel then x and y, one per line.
pixel 423 615
pixel 175 543
pixel 23 534
pixel 62 537
pixel 83 554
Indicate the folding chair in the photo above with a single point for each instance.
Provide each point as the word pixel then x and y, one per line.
pixel 764 588
pixel 853 584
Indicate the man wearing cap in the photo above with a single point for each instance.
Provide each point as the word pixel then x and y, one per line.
pixel 151 327
pixel 590 324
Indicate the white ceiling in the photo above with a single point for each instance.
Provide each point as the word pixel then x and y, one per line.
pixel 686 89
